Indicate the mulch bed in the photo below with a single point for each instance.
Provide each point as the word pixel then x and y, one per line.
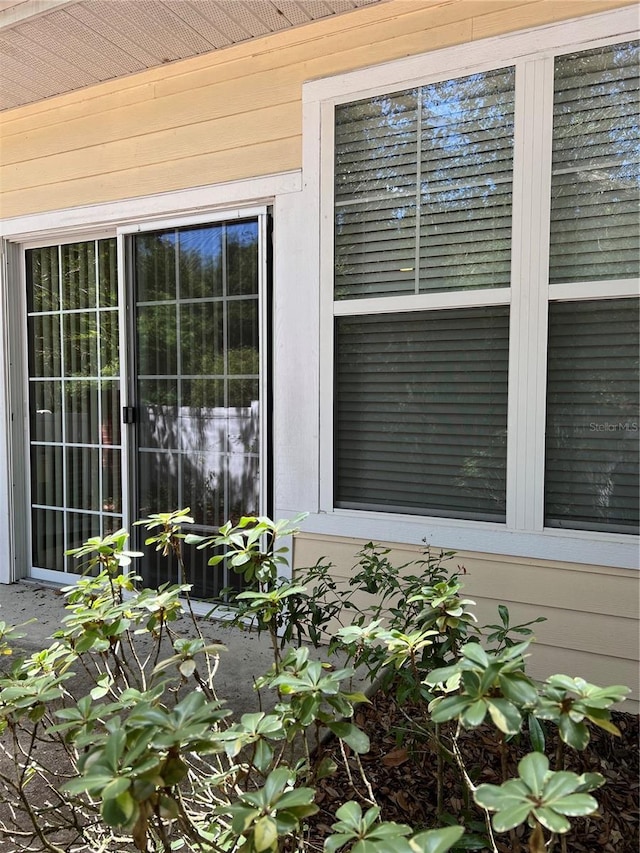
pixel 401 771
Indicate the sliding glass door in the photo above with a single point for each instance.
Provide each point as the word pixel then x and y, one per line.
pixel 192 407
pixel 196 383
pixel 74 398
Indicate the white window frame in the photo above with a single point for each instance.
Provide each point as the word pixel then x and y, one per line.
pixel 532 53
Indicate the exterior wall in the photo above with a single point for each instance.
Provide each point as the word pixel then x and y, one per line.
pixel 231 114
pixel 592 611
pixel 236 115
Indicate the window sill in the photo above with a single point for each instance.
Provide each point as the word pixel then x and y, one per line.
pixel 614 550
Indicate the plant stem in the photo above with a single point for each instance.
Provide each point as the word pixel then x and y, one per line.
pixel 504 771
pixel 440 773
pixel 372 796
pixel 472 788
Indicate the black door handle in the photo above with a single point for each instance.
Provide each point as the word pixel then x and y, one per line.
pixel 128 414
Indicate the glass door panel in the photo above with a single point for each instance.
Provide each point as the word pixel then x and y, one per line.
pixel 197 384
pixel 74 398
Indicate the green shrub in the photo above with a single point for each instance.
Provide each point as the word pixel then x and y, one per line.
pixel 151 756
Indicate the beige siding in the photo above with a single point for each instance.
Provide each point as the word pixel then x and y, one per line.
pixel 591 611
pixel 236 114
pixel 231 114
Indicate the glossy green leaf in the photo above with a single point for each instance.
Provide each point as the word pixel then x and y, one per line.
pixel 474 714
pixel 276 781
pixel 511 817
pixel 494 797
pixel 533 769
pixel 589 782
pixel 350 814
pixel 604 723
pixel 116 787
pixel 94 782
pixel 352 736
pixel 518 689
pixel 364 846
pixel 559 785
pixel 449 708
pixel 389 829
pixel 575 804
pixel 536 734
pixel 552 820
pixel 442 674
pixel 563 681
pixel 187 667
pixel 474 652
pixel 296 797
pixel 436 840
pixel 336 841
pixel 119 810
pixel 265 834
pixel 572 733
pixel 505 716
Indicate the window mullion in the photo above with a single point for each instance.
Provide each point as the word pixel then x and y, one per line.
pixel 529 278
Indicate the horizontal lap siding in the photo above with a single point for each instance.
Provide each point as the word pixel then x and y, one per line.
pixel 591 611
pixel 232 114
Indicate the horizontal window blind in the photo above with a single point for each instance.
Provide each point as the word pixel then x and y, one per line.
pixel 423 188
pixel 595 189
pixel 593 415
pixel 421 412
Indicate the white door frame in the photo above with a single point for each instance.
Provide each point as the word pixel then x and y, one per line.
pixel 199 204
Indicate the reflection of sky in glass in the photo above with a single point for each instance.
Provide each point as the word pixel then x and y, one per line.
pixel 205 242
pixel 243 233
pixel 167 238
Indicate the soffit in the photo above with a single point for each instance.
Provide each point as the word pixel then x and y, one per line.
pixel 48 47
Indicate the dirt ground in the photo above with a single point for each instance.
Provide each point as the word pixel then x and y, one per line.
pixel 401 771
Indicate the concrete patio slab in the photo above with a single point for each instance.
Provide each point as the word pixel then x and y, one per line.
pixel 247 654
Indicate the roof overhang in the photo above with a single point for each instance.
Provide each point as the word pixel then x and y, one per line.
pixel 49 47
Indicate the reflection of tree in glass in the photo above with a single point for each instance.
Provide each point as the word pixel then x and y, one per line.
pixel 78 275
pixel 432 168
pixel 43 284
pixel 198 365
pixel 596 175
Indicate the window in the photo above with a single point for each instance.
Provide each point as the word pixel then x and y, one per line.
pixel 595 177
pixel 423 206
pixel 436 295
pixel 592 415
pixel 591 476
pixel 423 188
pixel 421 412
